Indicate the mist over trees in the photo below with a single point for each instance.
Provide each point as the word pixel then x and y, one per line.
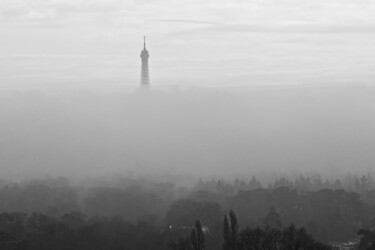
pixel 143 168
pixel 159 215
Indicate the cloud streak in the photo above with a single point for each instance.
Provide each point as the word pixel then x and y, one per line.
pixel 283 28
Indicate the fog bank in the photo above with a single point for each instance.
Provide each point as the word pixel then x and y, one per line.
pixel 202 132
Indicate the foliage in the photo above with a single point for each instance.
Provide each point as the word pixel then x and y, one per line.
pixel 196 241
pixel 267 238
pixel 230 232
pixel 367 239
pixel 329 213
pixel 40 232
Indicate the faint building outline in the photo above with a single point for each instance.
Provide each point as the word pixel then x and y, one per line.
pixel 145 75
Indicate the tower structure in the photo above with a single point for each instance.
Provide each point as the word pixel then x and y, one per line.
pixel 145 75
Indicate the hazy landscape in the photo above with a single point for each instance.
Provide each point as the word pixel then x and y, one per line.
pixel 135 169
pixel 187 125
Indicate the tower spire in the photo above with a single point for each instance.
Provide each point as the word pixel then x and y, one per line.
pixel 145 75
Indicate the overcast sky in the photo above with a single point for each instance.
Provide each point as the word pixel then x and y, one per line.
pixel 96 43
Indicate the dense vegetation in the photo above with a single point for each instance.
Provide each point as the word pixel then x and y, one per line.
pixel 129 213
pixel 74 231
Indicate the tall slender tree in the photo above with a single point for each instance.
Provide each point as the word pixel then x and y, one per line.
pixel 230 232
pixel 197 236
pixel 226 234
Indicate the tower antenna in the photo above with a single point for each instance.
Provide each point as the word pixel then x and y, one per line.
pixel 144 42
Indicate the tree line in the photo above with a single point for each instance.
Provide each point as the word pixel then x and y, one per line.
pixel 327 214
pixel 267 238
pixel 75 231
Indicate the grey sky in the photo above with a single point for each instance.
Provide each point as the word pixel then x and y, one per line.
pixel 96 43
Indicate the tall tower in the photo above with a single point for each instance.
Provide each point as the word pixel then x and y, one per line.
pixel 145 76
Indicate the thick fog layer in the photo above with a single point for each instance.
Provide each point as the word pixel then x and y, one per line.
pixel 200 132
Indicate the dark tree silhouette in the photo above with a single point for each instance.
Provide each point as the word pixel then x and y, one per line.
pixel 230 232
pixel 367 241
pixel 197 236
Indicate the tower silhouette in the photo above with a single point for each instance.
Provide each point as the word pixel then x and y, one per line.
pixel 145 75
